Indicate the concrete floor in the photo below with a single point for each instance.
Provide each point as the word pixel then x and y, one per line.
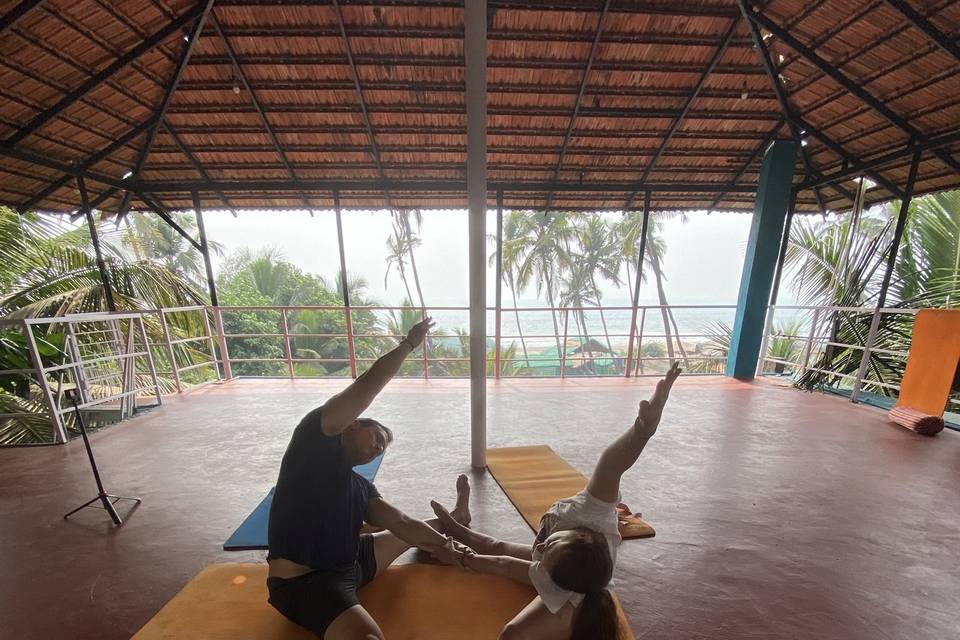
pixel 779 514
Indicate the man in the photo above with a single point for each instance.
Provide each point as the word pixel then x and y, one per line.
pixel 318 557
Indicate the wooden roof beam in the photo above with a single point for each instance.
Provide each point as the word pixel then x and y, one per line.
pixel 863 166
pixel 197 165
pixel 256 102
pixel 447 33
pixel 721 49
pixel 636 7
pixel 458 109
pixel 760 148
pixel 942 40
pixel 42 118
pixel 840 78
pixel 355 77
pixel 528 62
pixel 788 113
pixel 428 186
pixel 88 163
pixel 205 6
pixel 576 104
pixel 18 13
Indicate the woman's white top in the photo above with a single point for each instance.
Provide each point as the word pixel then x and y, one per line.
pixel 581 510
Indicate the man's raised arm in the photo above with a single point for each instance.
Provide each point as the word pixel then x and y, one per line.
pixel 341 410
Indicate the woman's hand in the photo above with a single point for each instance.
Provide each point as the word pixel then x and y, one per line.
pixel 419 331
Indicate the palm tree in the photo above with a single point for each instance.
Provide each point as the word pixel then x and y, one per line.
pixel 599 252
pixel 412 241
pixel 578 292
pixel 540 250
pixel 150 238
pixel 46 271
pixel 399 249
pixel 628 231
pixel 48 275
pixel 511 230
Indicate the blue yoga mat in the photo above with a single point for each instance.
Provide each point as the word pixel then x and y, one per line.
pixel 252 533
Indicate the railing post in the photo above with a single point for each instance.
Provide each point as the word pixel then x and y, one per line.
pixel 344 285
pixel 563 348
pixel 638 368
pixel 636 287
pixel 765 341
pixel 59 433
pixel 73 348
pixel 888 274
pixel 222 340
pixel 425 347
pixel 865 359
pixel 496 339
pixel 351 345
pixel 286 341
pixel 210 345
pixel 170 353
pixel 814 325
pixel 150 363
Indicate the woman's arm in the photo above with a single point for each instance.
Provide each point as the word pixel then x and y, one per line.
pixel 341 410
pixel 504 566
pixel 536 622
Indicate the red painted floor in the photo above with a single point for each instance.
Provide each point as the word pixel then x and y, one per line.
pixel 779 514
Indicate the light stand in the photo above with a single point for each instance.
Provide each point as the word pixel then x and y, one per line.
pixel 106 499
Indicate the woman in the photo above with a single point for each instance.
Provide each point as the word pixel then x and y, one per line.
pixel 572 559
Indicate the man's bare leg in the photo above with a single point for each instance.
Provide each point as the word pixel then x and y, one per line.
pixel 353 624
pixel 624 451
pixel 387 547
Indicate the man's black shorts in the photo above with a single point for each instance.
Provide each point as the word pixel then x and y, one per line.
pixel 315 599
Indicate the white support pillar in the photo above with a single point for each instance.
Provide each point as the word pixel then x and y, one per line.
pixel 475 49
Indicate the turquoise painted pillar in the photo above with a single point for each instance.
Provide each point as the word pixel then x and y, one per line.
pixel 766 232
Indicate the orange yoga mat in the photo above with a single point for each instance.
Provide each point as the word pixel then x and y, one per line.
pixel 932 364
pixel 409 602
pixel 535 477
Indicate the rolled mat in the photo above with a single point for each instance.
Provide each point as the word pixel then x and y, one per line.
pixel 409 602
pixel 916 421
pixel 535 477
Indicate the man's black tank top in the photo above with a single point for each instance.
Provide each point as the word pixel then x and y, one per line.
pixel 319 503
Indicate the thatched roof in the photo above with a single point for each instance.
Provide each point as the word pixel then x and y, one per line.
pixel 590 102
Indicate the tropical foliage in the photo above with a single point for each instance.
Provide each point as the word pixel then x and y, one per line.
pixel 48 270
pixel 836 262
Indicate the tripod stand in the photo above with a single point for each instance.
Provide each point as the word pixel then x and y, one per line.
pixel 106 499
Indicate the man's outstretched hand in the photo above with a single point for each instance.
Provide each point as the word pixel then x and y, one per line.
pixel 419 331
pixel 648 418
pixel 452 553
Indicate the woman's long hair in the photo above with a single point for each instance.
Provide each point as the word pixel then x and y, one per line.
pixel 585 567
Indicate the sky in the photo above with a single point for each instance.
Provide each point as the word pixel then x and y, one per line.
pixel 703 261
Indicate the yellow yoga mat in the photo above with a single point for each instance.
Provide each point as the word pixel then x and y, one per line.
pixel 932 364
pixel 535 477
pixel 409 602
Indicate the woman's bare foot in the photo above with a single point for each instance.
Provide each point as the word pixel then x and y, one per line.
pixel 461 510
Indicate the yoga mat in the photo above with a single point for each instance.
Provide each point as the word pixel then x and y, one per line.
pixel 535 477
pixel 932 363
pixel 252 532
pixel 409 602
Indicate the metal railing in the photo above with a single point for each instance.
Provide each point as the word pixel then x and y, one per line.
pixel 819 335
pixel 106 359
pixel 117 360
pixel 602 351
